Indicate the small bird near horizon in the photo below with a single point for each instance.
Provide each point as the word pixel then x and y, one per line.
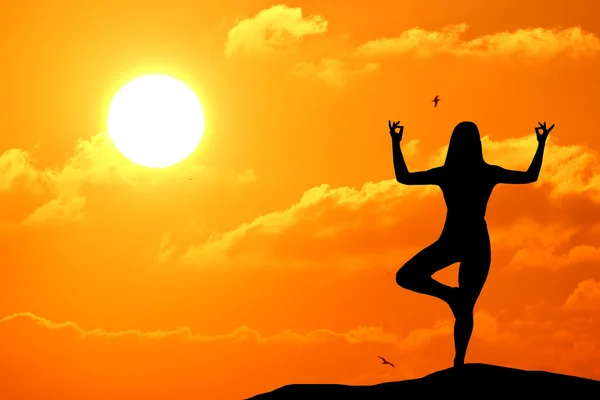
pixel 386 361
pixel 435 100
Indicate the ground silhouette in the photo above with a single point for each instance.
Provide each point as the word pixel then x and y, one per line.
pixel 470 381
pixel 467 182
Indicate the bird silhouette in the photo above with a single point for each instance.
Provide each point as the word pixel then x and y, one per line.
pixel 386 361
pixel 435 100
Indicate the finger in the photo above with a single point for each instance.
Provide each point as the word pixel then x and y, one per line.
pixel 390 124
pixel 552 127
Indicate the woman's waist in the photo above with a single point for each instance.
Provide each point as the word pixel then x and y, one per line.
pixel 466 227
pixel 457 218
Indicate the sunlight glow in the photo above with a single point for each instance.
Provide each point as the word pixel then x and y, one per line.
pixel 156 121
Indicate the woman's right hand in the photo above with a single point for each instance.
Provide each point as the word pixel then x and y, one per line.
pixel 541 137
pixel 397 136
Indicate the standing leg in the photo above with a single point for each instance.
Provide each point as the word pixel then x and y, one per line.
pixel 472 274
pixel 416 274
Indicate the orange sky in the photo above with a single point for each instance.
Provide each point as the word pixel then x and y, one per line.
pixel 276 263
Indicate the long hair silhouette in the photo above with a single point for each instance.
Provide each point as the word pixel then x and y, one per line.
pixel 464 149
pixel 467 182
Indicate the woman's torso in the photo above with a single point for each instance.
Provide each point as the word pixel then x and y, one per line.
pixel 466 193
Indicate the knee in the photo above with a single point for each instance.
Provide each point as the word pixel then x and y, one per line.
pixel 404 277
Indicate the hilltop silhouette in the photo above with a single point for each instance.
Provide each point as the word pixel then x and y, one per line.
pixel 468 381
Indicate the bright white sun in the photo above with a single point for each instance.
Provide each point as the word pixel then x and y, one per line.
pixel 156 121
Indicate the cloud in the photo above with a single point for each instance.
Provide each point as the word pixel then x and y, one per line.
pixel 586 297
pixel 325 217
pixel 529 42
pixel 362 334
pixel 149 361
pixel 358 335
pixel 272 29
pixel 95 162
pixel 537 245
pixel 15 166
pixel 60 210
pixel 548 257
pixel 170 246
pixel 166 249
pixel 526 232
pixel 358 226
pixel 540 342
pixel 415 40
pixel 333 72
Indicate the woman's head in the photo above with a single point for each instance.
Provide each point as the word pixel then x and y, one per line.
pixel 465 146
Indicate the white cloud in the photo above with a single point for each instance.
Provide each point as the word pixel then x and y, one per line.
pixel 333 72
pixel 528 42
pixel 272 29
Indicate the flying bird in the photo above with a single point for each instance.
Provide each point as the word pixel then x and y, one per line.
pixel 386 361
pixel 435 100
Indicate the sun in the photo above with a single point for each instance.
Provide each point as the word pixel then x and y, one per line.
pixel 156 121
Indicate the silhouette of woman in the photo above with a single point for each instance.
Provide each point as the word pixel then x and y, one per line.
pixel 466 181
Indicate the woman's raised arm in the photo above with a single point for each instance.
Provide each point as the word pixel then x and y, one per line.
pixel 502 175
pixel 429 177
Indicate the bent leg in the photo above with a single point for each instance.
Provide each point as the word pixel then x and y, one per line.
pixel 416 274
pixel 472 274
